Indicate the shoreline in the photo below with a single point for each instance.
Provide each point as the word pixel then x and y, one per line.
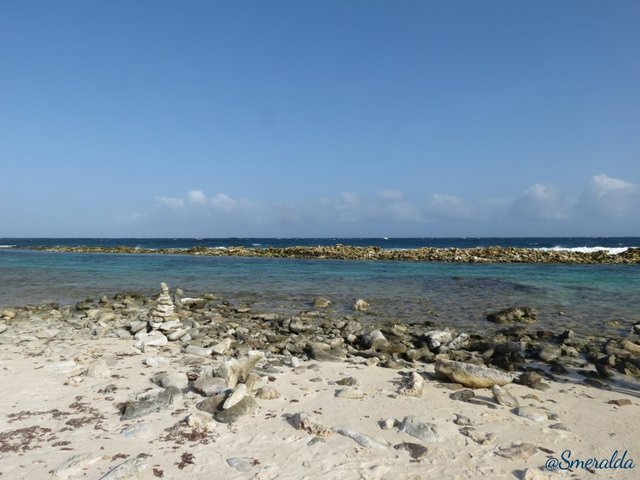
pixel 139 384
pixel 344 252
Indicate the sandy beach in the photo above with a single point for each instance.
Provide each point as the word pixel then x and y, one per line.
pixel 75 380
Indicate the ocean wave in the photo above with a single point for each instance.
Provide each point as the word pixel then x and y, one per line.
pixel 7 246
pixel 609 250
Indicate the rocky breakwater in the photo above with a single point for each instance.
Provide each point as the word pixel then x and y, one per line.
pixel 345 252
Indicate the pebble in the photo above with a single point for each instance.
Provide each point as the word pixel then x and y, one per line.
pixel 267 393
pixel 360 438
pixel 350 393
pixel 209 386
pixel 140 408
pixel 242 464
pixel 621 402
pixel 387 424
pixel 518 451
pixel 75 466
pixel 416 451
pixel 348 382
pixel 532 413
pixel 199 351
pixel 303 421
pixel 472 376
pixel 419 429
pixel 244 407
pixel 156 361
pixel 238 393
pixel 462 395
pixel 222 347
pixel 361 305
pixel 201 420
pixel 128 469
pixel 462 420
pixel 177 380
pixel 503 397
pixel 414 386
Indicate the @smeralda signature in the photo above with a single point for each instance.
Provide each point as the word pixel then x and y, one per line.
pixel 614 462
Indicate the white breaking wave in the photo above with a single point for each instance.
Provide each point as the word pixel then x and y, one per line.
pixel 609 250
pixel 7 246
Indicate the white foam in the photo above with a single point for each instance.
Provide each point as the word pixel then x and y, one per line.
pixel 7 246
pixel 608 250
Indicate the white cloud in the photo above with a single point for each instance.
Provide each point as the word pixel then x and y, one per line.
pixel 172 202
pixel 390 195
pixel 606 197
pixel 197 197
pixel 542 202
pixel 447 206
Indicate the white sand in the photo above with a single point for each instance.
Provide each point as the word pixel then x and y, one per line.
pixel 41 376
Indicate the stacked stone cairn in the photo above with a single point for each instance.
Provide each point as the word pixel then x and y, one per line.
pixel 163 323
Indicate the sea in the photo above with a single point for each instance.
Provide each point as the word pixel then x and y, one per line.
pixel 589 299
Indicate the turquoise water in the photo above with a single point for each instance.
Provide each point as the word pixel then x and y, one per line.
pixel 589 296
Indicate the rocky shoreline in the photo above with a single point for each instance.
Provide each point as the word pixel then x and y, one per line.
pixel 345 252
pixel 227 365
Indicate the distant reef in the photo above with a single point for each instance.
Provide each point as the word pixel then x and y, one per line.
pixel 345 252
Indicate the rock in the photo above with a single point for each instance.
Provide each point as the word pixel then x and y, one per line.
pixel 479 438
pixel 350 393
pixel 98 369
pixel 530 379
pixel 320 353
pixel 137 326
pixel 321 302
pixel 472 376
pixel 462 395
pixel 164 307
pixel 74 466
pixel 361 305
pixel 631 347
pixel 140 408
pixel 419 429
pixel 503 397
pixel 3 327
pixel 201 421
pixel 348 382
pixel 461 341
pixel 141 431
pixel 267 393
pixel 127 470
pixel 178 334
pixel 213 403
pixel 513 315
pixel 244 407
pixel 303 421
pixel 177 380
pixel 536 474
pixel 532 413
pixel 7 314
pixel 222 347
pixel 193 302
pixel 621 402
pixel 517 451
pixel 414 386
pixel 151 339
pixel 374 340
pixel 237 370
pixel 198 351
pixel 360 438
pixel 209 386
pixel 416 451
pixel 559 426
pixel 436 338
pixel 238 393
pixel 242 464
pixel 462 420
pixel 549 353
pixel 387 424
pixel 156 361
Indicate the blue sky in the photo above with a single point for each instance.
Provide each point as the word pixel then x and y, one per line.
pixel 296 118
